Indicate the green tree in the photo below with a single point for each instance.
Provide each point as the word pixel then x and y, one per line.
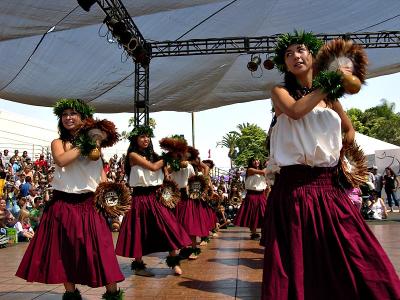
pixel 387 130
pixel 357 116
pixel 248 142
pixel 379 122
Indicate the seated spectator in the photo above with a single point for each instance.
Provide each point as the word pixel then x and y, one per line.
pixel 3 227
pixel 16 156
pixel 27 171
pixel 26 187
pixel 10 221
pixel 41 188
pixel 106 167
pixel 109 177
pixel 24 229
pixel 2 182
pixel 119 175
pixel 24 157
pixel 6 158
pixel 36 213
pixel 3 209
pixel 41 164
pixel 29 162
pixel 16 165
pixel 3 231
pixel 50 174
pixel 19 179
pixel 223 220
pixel 10 196
pixel 30 199
pixel 35 179
pixel 378 207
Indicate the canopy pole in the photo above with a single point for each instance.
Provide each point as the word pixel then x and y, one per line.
pixel 193 137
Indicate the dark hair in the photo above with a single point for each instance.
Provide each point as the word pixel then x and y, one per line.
pixel 250 164
pixel 209 162
pixel 292 85
pixel 134 147
pixel 65 135
pixel 392 173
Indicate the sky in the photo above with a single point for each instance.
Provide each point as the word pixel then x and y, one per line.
pixel 211 125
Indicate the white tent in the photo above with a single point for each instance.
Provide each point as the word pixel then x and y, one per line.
pixel 375 150
pixel 370 145
pixel 52 48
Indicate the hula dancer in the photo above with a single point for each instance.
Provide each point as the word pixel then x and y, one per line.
pixel 251 212
pixel 191 211
pixel 317 243
pixel 149 226
pixel 73 244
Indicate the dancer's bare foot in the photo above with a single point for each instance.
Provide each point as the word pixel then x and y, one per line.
pixel 193 256
pixel 178 270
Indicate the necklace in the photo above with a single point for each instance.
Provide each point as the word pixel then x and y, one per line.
pixel 301 92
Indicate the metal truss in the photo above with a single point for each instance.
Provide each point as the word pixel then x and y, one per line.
pixel 116 9
pixel 263 44
pixel 141 98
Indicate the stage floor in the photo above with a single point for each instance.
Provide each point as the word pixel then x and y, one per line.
pixel 230 267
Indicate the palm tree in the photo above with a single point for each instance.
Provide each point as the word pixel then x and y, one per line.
pixel 229 141
pixel 244 125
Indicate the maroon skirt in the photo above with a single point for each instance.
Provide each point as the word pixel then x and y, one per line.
pixel 193 215
pixel 318 245
pixel 73 243
pixel 211 216
pixel 251 212
pixel 149 227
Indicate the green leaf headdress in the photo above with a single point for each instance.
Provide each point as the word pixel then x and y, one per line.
pixel 298 37
pixel 76 104
pixel 141 130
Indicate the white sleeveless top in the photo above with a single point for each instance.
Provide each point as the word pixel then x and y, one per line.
pixel 81 176
pixel 181 177
pixel 255 182
pixel 140 176
pixel 378 210
pixel 314 140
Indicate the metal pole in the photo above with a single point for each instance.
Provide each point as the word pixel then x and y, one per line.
pixel 193 138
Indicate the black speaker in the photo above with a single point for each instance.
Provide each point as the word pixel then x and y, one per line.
pixel 86 4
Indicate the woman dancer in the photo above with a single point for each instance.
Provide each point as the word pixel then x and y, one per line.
pixel 317 243
pixel 251 212
pixel 192 213
pixel 73 244
pixel 149 226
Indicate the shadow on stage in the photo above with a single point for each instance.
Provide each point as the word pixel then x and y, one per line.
pixel 253 250
pixel 230 287
pixel 253 263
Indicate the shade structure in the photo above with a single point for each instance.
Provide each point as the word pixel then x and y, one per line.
pixel 53 48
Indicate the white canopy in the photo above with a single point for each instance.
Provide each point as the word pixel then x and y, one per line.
pixel 74 60
pixel 370 145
